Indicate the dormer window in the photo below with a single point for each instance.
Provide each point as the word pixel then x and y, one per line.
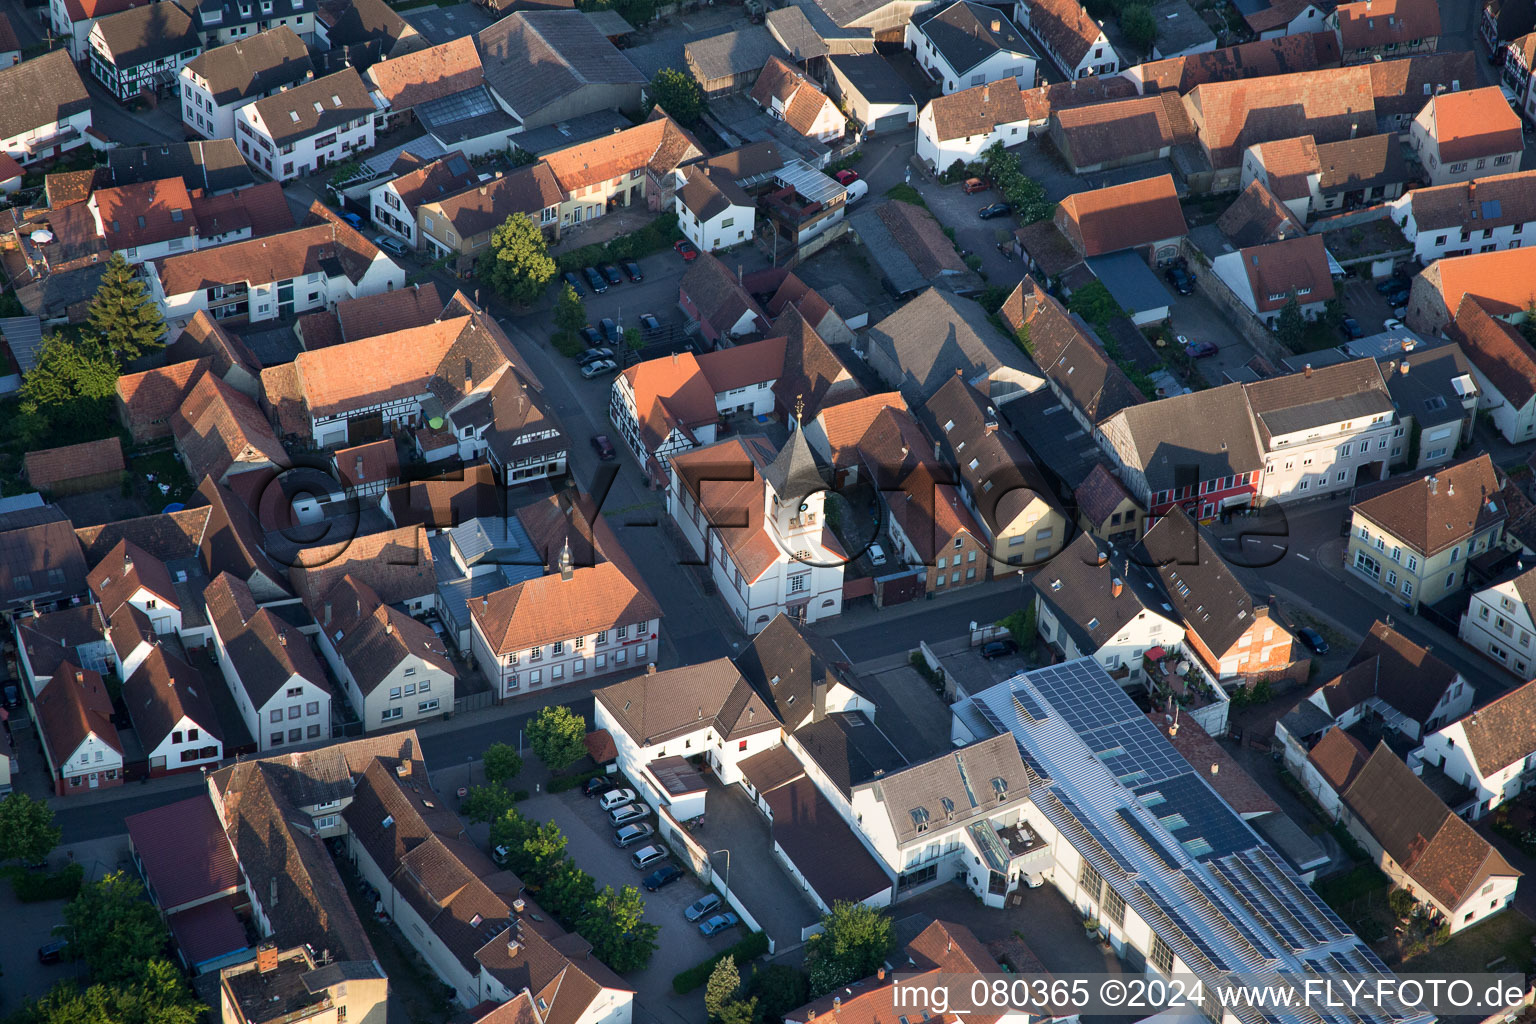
pixel 920 818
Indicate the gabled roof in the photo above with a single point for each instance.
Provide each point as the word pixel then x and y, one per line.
pixel 423 75
pixel 535 58
pixel 1288 164
pixel 1503 282
pixel 1497 201
pixel 787 665
pixel 161 691
pixel 1503 731
pixel 145 213
pixel 1120 217
pixel 372 637
pixel 1079 587
pixel 1371 24
pixel 1338 757
pixel 921 237
pixel 1432 512
pixel 935 334
pixel 977 110
pixel 966 34
pixel 655 707
pixel 217 427
pixel 144 34
pixel 1100 495
pixel 39 557
pixel 204 336
pixel 1293 267
pixel 1065 27
pixel 231 540
pixel 1170 457
pixel 717 295
pixel 47 89
pixel 1439 851
pixel 264 651
pixel 811 369
pixel 1368 161
pixel 1472 123
pixel 1197 581
pixel 402 309
pixel 1498 350
pixel 1044 100
pixel 1121 130
pixel 212 164
pixel 396 563
pixel 1314 398
pixel 184 851
pixel 1258 216
pixel 73 707
pixel 1074 362
pixel 1327 104
pixel 799 99
pixel 51 638
pixel 1401 86
pixel 1389 666
pixel 1260 58
pixel 448 175
pixel 257 64
pixel 46 467
pixel 314 107
pixel 329 247
pixel 124 570
pixel 552 608
pixel 481 208
pixel 971 782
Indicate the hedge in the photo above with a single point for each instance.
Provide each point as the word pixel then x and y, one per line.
pixel 659 234
pixel 561 783
pixel 749 948
pixel 38 886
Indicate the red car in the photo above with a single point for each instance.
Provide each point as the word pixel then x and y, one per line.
pixel 846 177
pixel 686 249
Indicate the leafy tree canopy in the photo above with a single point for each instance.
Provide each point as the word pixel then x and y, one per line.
pixel 558 737
pixel 114 928
pixel 27 831
pixel 678 94
pixel 519 264
pixel 854 942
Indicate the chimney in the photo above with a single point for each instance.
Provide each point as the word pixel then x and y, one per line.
pixel 519 904
pixel 1402 368
pixel 327 619
pixel 650 668
pixel 1116 587
pixel 357 469
pixel 997 26
pixel 1307 370
pixel 389 627
pixel 1102 559
pixel 266 954
pixel 566 569
pixel 1434 485
pixel 837 1004
pixel 1215 767
pixel 282 638
pixel 403 769
pixel 1450 490
pixel 880 974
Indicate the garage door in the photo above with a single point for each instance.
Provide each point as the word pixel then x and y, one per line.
pixel 890 123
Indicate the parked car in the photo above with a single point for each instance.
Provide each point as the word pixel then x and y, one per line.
pixel 53 952
pixel 592 355
pixel 629 835
pixel 570 278
pixel 719 923
pixel 617 798
pixel 846 177
pixel 591 335
pixel 705 904
pixel 856 191
pixel 1393 324
pixel 1182 280
pixel 353 219
pixel 999 648
pixel 648 322
pixel 974 185
pixel 1200 349
pixel 685 249
pixel 648 855
pixel 10 694
pixel 599 785
pixel 628 813
pixel 610 329
pixel 1387 285
pixel 391 246
pixel 611 273
pixel 598 368
pixel 994 210
pixel 595 281
pixel 876 555
pixel 1313 639
pixel 662 877
pixel 1351 328
pixel 632 270
pixel 1398 298
pixel 604 449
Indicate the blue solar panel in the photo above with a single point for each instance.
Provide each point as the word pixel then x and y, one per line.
pixel 1205 816
pixel 1094 831
pixel 1083 695
pixel 1154 842
pixel 1026 704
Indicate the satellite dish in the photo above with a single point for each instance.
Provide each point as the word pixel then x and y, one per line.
pixel 436 423
pixel 42 235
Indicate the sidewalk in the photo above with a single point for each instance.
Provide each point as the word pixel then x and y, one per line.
pixel 865 615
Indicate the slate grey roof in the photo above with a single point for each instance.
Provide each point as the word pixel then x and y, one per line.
pixel 900 274
pixel 793 473
pixel 850 749
pixel 1197 581
pixel 253 66
pixel 1179 27
pixel 1330 394
pixel 341 98
pixel 42 90
pixel 732 53
pixel 534 58
pixel 874 78
pixel 213 164
pixel 845 12
pixel 572 131
pixel 140 35
pixel 787 666
pixel 937 333
pixel 1426 391
pixel 973 781
pixel 23 334
pixel 793 29
pixel 1172 455
pixel 962 33
pixel 40 557
pixel 1080 592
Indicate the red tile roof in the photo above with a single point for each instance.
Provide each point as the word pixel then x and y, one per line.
pixel 1499 351
pixel 386 312
pixel 1288 163
pixel 50 466
pixel 261 208
pixel 217 428
pixel 800 101
pixel 146 213
pixel 616 155
pixel 1502 282
pixel 368 463
pixel 977 110
pixel 1065 27
pixel 425 75
pixel 184 850
pixel 1329 105
pixel 1291 267
pixel 1367 24
pixel 125 569
pixel 1473 123
pixel 1122 216
pixel 72 708
pixel 550 608
pixel 264 260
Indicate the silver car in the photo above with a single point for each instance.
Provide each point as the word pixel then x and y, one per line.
pixel 627 813
pixel 706 904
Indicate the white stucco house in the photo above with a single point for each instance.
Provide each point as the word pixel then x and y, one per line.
pixel 307 128
pixel 965 44
pixel 56 112
pixel 1500 625
pixel 1460 218
pixel 1491 751
pixel 963 125
pixel 220 81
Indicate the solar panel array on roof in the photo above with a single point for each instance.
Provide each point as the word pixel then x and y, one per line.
pixel 1093 830
pixel 1078 694
pixel 1024 702
pixel 1202 815
pixel 1136 752
pixel 1152 839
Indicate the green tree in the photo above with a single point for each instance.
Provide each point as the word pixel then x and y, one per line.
pixel 778 989
pixel 567 892
pixel 519 264
pixel 1139 27
pixel 501 762
pixel 613 924
pixel 854 941
pixel 486 803
pixel 678 94
pixel 633 339
pixel 123 316
pixel 114 929
pixel 558 737
pixel 543 851
pixel 509 831
pixel 69 391
pixel 570 312
pixel 27 831
pixel 723 987
pixel 1402 903
pixel 1290 326
pixel 160 996
pixel 1020 624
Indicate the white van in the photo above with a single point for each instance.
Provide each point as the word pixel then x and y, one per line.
pixel 857 190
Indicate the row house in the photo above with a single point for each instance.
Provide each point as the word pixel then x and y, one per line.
pixel 54 112
pixel 1073 40
pixel 1399 541
pixel 1165 467
pixel 1519 60
pixel 961 126
pixel 74 724
pixel 393 202
pixel 1084 380
pixel 1402 86
pixel 460 225
pixel 1460 218
pixel 276 681
pixel 1323 430
pixel 785 93
pixel 402 84
pixel 170 706
pixel 222 22
pixel 1369 30
pixel 46 569
pixel 1501 21
pixel 1458 136
pixel 627 168
pixel 268 278
pixel 573 624
pixel 131 577
pixel 1267 278
pixel 142 50
pixel 755 519
pixel 393 667
pixel 963 44
pixel 1314 180
pixel 303 129
pixel 220 81
pixel 44 642
pixel 1500 621
pixel 72 21
pixel 712 210
pixel 1490 751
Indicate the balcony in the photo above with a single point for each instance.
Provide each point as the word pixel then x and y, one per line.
pixel 1179 678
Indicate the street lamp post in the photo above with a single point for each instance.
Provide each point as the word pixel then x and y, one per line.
pixel 727 865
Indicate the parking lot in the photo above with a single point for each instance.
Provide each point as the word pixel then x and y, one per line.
pixel 28 926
